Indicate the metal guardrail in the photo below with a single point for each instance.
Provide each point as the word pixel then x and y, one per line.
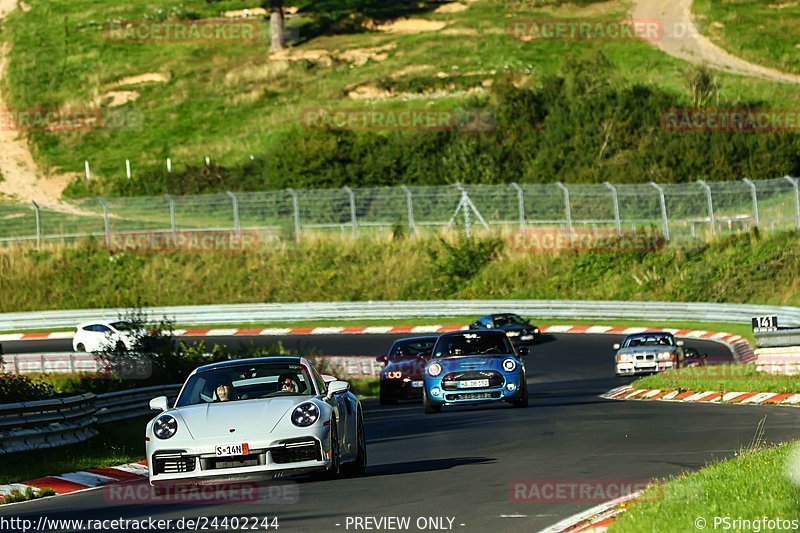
pixel 46 424
pixel 778 339
pixel 285 312
pixel 52 362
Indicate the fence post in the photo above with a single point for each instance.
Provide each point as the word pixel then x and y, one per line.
pixel 520 204
pixel 172 219
pixel 710 202
pixel 106 226
pixel 663 201
pixel 793 181
pixel 616 207
pixel 567 208
pixel 754 194
pixel 296 211
pixel 235 202
pixel 353 219
pixel 409 207
pixel 38 224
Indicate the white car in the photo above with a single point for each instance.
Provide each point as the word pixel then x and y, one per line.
pixel 101 334
pixel 256 418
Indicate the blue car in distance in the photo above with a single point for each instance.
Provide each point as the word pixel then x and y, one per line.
pixel 474 367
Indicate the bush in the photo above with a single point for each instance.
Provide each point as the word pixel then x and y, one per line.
pixel 15 389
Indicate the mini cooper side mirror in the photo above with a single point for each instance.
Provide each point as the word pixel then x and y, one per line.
pixel 159 404
pixel 337 387
pixel 679 343
pixel 616 346
pixel 523 350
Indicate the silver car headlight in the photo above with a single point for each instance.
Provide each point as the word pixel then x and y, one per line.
pixel 165 427
pixel 624 358
pixel 305 415
pixel 665 356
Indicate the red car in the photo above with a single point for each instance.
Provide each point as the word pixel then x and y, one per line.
pixel 401 378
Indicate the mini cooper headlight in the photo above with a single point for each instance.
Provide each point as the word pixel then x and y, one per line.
pixel 435 369
pixel 665 356
pixel 165 427
pixel 305 414
pixel 509 365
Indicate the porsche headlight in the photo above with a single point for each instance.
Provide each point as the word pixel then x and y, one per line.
pixel 435 369
pixel 665 356
pixel 509 365
pixel 305 414
pixel 624 358
pixel 165 427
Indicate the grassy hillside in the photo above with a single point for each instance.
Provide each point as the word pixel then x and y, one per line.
pixel 749 268
pixel 761 32
pixel 598 120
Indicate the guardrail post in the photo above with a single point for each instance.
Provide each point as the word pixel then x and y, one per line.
pixel 663 201
pixel 520 204
pixel 235 202
pixel 567 208
pixel 172 221
pixel 106 226
pixel 353 219
pixel 409 207
pixel 38 224
pixel 710 202
pixel 296 211
pixel 615 198
pixel 754 195
pixel 793 181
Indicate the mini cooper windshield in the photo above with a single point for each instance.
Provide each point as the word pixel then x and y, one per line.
pixel 483 343
pixel 246 382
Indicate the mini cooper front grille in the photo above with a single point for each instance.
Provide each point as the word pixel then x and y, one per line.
pixel 173 463
pixel 473 396
pixel 296 451
pixel 450 381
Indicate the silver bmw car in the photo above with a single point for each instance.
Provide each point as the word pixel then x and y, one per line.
pixel 646 353
pixel 252 418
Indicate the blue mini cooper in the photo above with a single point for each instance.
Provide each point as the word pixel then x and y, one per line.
pixel 474 367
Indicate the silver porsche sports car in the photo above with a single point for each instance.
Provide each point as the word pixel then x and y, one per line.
pixel 251 418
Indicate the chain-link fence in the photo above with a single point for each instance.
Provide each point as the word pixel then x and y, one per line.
pixel 696 210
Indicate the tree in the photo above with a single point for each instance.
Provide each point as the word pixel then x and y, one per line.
pixel 276 26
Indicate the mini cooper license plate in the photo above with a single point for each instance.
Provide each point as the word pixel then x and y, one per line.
pixel 232 450
pixel 473 383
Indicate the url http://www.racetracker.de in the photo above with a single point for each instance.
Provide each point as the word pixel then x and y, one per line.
pixel 761 523
pixel 200 523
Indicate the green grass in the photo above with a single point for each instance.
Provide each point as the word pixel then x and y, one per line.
pixel 228 100
pixel 720 378
pixel 118 443
pixel 758 31
pixel 16 496
pixel 365 387
pixel 750 486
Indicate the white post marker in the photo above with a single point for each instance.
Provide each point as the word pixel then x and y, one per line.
pixel 208 161
pixel 169 165
pixel 128 168
pixel 86 170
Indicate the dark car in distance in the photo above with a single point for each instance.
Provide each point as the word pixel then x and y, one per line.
pixel 401 378
pixel 518 330
pixel 692 357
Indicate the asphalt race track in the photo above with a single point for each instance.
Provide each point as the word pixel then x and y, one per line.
pixel 463 463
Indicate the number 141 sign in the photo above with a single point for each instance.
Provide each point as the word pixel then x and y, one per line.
pixel 765 323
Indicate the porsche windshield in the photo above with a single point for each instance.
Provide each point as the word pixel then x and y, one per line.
pixel 649 340
pixel 246 382
pixel 472 344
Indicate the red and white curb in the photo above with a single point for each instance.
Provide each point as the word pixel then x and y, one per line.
pixel 596 519
pixel 83 480
pixel 687 396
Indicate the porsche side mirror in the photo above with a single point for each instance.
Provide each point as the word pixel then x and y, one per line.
pixel 337 387
pixel 382 359
pixel 159 404
pixel 616 346
pixel 679 343
pixel 523 350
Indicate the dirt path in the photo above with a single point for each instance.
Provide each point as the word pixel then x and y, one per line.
pixel 683 40
pixel 17 166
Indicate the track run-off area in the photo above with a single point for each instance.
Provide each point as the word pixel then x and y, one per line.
pixel 467 465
